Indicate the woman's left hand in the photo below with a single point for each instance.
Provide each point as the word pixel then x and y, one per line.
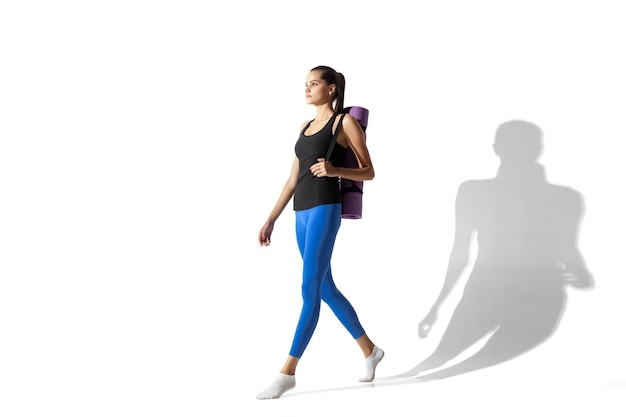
pixel 322 168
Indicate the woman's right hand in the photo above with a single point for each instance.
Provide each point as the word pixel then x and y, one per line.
pixel 265 234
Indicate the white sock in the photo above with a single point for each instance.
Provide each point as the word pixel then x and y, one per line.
pixel 281 384
pixel 370 364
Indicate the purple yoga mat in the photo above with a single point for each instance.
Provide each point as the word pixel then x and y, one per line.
pixel 352 191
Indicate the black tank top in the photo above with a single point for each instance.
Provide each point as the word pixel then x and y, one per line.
pixel 310 190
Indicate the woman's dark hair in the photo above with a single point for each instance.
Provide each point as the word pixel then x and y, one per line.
pixel 333 77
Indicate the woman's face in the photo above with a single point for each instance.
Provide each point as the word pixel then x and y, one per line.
pixel 316 90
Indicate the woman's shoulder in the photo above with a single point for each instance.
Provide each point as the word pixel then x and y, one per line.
pixel 343 118
pixel 348 122
pixel 304 125
pixel 347 117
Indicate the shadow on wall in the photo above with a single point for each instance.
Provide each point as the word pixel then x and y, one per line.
pixel 526 231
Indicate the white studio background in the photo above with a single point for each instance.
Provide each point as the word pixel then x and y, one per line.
pixel 144 143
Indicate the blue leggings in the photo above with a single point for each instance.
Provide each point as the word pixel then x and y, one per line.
pixel 316 230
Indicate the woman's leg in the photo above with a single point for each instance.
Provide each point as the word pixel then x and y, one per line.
pixel 346 314
pixel 316 230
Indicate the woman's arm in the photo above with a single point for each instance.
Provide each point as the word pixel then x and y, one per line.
pixel 288 189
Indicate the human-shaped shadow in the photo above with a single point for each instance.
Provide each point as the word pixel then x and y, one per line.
pixel 526 232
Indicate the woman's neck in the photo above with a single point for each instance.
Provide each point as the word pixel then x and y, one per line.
pixel 324 112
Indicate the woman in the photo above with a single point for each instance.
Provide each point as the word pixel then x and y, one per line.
pixel 314 185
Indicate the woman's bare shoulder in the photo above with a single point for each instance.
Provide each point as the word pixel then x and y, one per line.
pixel 348 122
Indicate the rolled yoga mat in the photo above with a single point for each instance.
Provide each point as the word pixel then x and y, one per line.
pixel 352 191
